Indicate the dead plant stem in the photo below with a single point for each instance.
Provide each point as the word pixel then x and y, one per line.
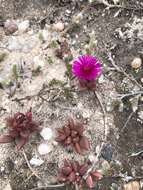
pixel 122 71
pixel 28 164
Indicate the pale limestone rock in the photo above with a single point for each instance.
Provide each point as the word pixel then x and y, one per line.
pixel 46 133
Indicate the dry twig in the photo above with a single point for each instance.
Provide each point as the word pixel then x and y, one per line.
pixel 110 6
pixel 121 96
pixel 122 71
pixel 126 123
pixel 49 186
pixel 136 154
pixel 104 113
pixel 95 162
pixel 28 164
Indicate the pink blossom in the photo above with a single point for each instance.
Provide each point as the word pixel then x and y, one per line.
pixel 86 67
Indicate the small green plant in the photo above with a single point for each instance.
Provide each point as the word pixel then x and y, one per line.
pixel 67 93
pixel 49 60
pixel 2 56
pixel 36 71
pixel 40 36
pixel 55 82
pixel 53 44
pixel 15 71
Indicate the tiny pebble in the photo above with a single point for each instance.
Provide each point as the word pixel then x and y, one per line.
pixel 36 162
pixel 46 133
pixel 91 158
pixel 44 149
pixel 2 169
pixel 58 26
pixel 10 27
pixel 7 187
pixel 23 26
pixel 136 63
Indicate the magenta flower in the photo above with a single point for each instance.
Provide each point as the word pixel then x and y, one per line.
pixel 86 67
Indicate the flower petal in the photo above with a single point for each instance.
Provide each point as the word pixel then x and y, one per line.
pixel 83 169
pixel 20 142
pixel 79 128
pixel 75 166
pixel 67 130
pixel 77 148
pixel 96 174
pixel 6 139
pixel 67 163
pixel 66 170
pixel 68 141
pixel 89 182
pixel 25 134
pixel 72 177
pixel 84 143
pixel 71 124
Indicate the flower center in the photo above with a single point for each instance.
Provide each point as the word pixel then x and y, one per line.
pixel 87 69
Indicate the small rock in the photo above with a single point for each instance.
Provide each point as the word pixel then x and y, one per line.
pixel 2 169
pixel 58 26
pixel 107 152
pixel 91 158
pixel 77 19
pixel 55 143
pixel 105 168
pixel 44 149
pixel 46 133
pixel 43 35
pixel 142 79
pixel 136 63
pixel 38 62
pixel 116 1
pixel 23 26
pixel 133 185
pixel 140 115
pixel 36 162
pixel 7 187
pixel 101 79
pixel 10 27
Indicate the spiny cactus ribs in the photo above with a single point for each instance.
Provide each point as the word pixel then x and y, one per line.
pixel 20 128
pixel 72 135
pixel 73 172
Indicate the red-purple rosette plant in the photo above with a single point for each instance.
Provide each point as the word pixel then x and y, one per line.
pixel 72 135
pixel 20 128
pixel 86 68
pixel 73 172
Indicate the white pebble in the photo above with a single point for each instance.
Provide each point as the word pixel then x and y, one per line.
pixel 36 162
pixel 7 187
pixel 140 114
pixel 23 26
pixel 58 26
pixel 2 169
pixel 46 133
pixel 77 19
pixel 44 149
pixel 91 158
pixel 38 62
pixel 55 143
pixel 136 63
